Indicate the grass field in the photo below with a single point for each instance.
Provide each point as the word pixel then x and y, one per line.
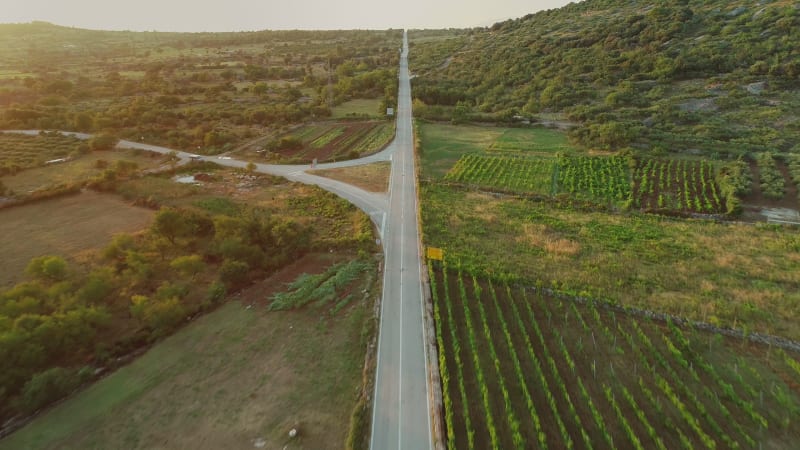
pixel 64 226
pixel 358 108
pixel 445 144
pixel 233 378
pixel 370 177
pixel 524 370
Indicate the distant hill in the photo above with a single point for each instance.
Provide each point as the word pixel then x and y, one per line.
pixel 720 78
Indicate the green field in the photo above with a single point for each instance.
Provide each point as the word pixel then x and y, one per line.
pixel 228 379
pixel 522 369
pixel 523 175
pixel 357 108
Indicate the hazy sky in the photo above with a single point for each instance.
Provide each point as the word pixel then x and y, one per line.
pixel 234 15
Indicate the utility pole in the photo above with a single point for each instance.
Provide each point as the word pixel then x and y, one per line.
pixel 330 83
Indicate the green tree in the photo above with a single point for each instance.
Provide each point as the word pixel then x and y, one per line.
pixel 170 224
pixel 47 268
pixel 234 274
pixel 48 386
pixel 120 244
pixel 97 287
pixel 165 315
pixel 188 265
pixel 160 315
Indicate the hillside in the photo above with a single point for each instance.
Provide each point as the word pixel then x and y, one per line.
pixel 716 78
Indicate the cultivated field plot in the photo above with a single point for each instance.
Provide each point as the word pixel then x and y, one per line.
pixel 530 175
pixel 599 179
pixel 521 370
pixel 64 226
pixel 19 151
pixel 672 185
pixel 530 141
pixel 339 140
pixel 677 185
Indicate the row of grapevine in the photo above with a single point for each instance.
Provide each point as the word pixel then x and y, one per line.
pixel 444 372
pixel 676 185
pixel 479 373
pixel 511 416
pixel 534 415
pixel 529 175
pixel 773 185
pixel 559 380
pixel 459 365
pixel 595 178
pixel 793 163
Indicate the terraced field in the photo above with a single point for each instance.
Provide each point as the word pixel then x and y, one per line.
pixel 337 140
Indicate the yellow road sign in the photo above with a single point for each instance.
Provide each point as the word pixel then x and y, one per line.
pixel 435 253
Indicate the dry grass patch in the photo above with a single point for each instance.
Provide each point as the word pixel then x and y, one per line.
pixel 538 236
pixel 370 177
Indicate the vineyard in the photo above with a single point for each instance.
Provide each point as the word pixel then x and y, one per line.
pixel 604 180
pixel 677 185
pixel 530 175
pixel 658 185
pixel 524 370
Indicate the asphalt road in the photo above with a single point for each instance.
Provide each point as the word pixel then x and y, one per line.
pixel 401 417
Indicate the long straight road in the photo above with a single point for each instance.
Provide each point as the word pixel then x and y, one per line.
pixel 401 417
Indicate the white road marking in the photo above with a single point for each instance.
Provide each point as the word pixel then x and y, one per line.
pixel 400 371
